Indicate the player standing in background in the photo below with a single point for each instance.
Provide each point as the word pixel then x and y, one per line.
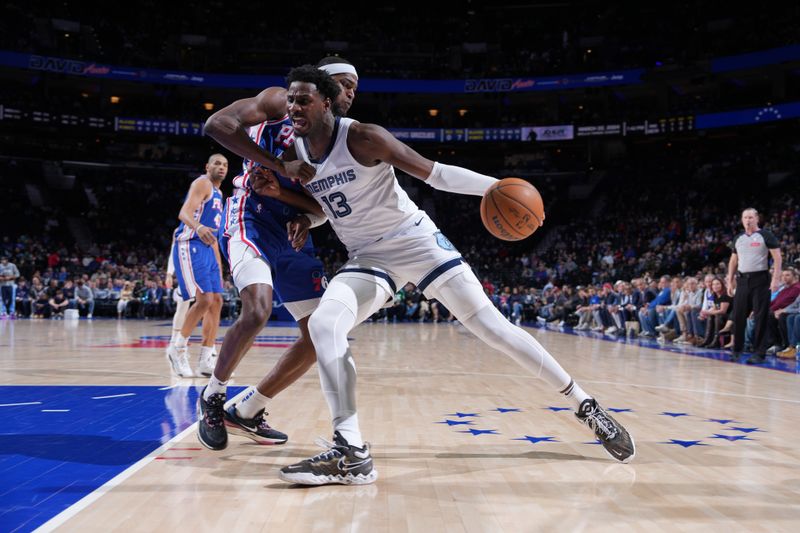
pixel 205 364
pixel 197 264
pixel 390 242
pixel 264 239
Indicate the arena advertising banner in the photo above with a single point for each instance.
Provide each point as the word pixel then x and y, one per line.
pixel 598 130
pixel 548 133
pixel 756 59
pixel 570 81
pixel 377 85
pixel 753 115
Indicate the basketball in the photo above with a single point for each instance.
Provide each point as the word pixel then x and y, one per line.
pixel 512 209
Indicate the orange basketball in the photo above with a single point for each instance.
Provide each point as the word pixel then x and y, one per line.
pixel 512 209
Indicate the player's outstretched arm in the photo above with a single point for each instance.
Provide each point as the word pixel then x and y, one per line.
pixel 228 126
pixel 199 192
pixel 371 144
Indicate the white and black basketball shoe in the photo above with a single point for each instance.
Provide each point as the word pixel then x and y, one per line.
pixel 340 463
pixel 614 438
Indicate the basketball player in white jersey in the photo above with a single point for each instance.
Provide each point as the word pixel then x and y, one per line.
pixel 391 242
pixel 268 254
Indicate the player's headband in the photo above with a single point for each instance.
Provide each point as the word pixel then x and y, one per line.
pixel 339 68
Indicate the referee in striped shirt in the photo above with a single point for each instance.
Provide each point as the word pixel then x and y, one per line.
pixel 748 273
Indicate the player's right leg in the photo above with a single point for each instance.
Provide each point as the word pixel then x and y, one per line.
pixel 348 300
pixel 464 296
pixel 208 359
pixel 253 277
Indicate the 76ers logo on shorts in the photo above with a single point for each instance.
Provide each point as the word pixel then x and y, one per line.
pixel 319 281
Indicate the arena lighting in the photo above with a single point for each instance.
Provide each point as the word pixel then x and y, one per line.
pixel 208 106
pixel 114 99
pixel 462 112
pixel 433 112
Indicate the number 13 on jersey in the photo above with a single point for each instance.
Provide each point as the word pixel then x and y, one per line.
pixel 337 204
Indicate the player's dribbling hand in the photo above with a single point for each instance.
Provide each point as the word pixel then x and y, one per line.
pixel 297 231
pixel 264 182
pixel 206 235
pixel 299 170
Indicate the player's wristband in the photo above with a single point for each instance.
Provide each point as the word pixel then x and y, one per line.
pixel 316 220
pixel 459 180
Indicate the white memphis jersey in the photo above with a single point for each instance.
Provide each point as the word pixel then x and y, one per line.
pixel 363 204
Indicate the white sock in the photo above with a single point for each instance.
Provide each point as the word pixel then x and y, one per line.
pixel 215 386
pixel 348 428
pixel 206 351
pixel 575 393
pixel 252 403
pixel 181 341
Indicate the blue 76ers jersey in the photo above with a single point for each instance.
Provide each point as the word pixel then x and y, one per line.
pixel 263 214
pixel 209 215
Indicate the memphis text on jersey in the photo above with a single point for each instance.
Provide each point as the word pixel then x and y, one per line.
pixel 324 184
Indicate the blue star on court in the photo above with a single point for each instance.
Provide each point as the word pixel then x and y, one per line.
pixel 534 440
pixel 730 437
pixel 685 443
pixel 507 410
pixel 745 430
pixel 618 410
pixel 477 432
pixel 456 422
pixel 720 420
pixel 462 415
pixel 557 409
pixel 674 415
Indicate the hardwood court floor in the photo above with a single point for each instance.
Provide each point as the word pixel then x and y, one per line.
pixel 463 439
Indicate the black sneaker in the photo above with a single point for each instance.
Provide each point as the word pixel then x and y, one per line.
pixel 210 424
pixel 340 463
pixel 756 359
pixel 255 428
pixel 614 438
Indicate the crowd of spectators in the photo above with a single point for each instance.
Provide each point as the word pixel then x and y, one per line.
pixel 110 281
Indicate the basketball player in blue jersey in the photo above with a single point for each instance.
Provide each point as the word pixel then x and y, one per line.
pixel 390 242
pixel 264 238
pixel 195 255
pixel 207 352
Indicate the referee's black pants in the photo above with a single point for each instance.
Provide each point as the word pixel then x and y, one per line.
pixel 752 294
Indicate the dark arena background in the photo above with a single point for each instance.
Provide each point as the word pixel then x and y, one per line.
pixel 651 130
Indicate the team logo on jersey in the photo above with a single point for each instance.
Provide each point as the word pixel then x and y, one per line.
pixel 258 208
pixel 443 242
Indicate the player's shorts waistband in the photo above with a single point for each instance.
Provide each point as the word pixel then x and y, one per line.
pixel 376 273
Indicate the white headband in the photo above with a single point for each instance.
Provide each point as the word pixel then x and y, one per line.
pixel 339 68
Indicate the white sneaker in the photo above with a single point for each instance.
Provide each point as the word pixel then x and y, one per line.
pixel 207 364
pixel 179 362
pixel 662 328
pixel 611 330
